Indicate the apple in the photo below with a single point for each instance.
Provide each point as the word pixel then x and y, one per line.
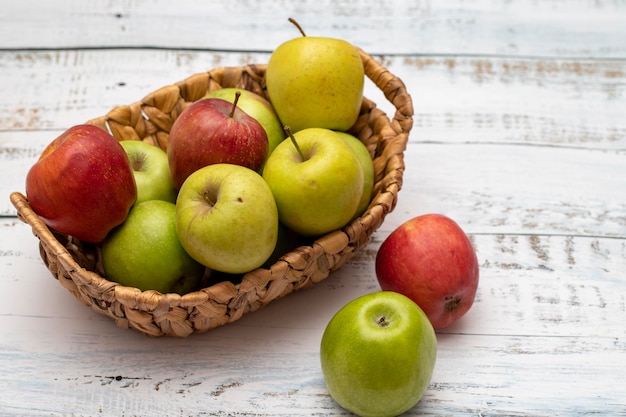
pixel 430 259
pixel 227 218
pixel 317 181
pixel 151 170
pixel 363 154
pixel 315 82
pixel 144 252
pixel 258 108
pixel 378 354
pixel 82 184
pixel 211 131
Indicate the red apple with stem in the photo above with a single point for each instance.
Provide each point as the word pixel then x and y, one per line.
pixel 83 184
pixel 431 260
pixel 212 131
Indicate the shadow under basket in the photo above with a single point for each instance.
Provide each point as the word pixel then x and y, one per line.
pixel 76 265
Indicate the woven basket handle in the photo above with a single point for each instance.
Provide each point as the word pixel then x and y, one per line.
pixel 394 90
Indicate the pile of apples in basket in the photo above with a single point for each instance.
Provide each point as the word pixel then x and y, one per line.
pixel 242 179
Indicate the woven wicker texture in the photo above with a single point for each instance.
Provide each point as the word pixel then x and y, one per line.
pixel 77 267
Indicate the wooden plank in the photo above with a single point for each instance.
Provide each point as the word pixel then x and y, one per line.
pixel 546 28
pixel 58 89
pixel 489 100
pixel 474 375
pixel 572 103
pixel 479 185
pixel 514 189
pixel 555 285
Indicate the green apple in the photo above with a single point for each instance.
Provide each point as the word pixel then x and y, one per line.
pixel 144 251
pixel 317 181
pixel 316 82
pixel 378 354
pixel 151 171
pixel 256 107
pixel 227 218
pixel 368 169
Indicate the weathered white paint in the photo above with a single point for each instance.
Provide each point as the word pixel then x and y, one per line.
pixel 545 337
pixel 519 135
pixel 576 28
pixel 576 103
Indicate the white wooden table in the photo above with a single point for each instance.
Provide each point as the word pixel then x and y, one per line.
pixel 519 135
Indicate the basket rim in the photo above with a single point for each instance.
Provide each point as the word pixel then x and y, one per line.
pixel 401 123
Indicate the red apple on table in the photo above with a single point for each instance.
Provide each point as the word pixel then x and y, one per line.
pixel 431 260
pixel 82 184
pixel 212 131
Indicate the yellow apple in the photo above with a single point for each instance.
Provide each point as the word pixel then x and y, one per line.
pixel 226 218
pixel 363 154
pixel 316 180
pixel 316 82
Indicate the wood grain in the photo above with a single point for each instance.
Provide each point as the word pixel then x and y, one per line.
pixel 519 135
pixel 548 28
pixel 491 100
pixel 535 331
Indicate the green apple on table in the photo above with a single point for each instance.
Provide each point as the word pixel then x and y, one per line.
pixel 378 354
pixel 365 159
pixel 145 252
pixel 256 107
pixel 151 170
pixel 227 218
pixel 316 82
pixel 317 184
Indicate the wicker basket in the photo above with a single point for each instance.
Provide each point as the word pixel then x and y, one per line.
pixel 77 265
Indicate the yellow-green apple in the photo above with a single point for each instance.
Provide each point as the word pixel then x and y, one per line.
pixel 316 179
pixel 151 170
pixel 430 259
pixel 256 107
pixel 144 252
pixel 82 184
pixel 316 82
pixel 227 218
pixel 211 131
pixel 365 159
pixel 377 354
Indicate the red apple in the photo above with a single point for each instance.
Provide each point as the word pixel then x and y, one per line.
pixel 82 184
pixel 432 261
pixel 211 131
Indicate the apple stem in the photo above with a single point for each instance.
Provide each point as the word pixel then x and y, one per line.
pixel 292 20
pixel 210 197
pixel 232 112
pixel 295 143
